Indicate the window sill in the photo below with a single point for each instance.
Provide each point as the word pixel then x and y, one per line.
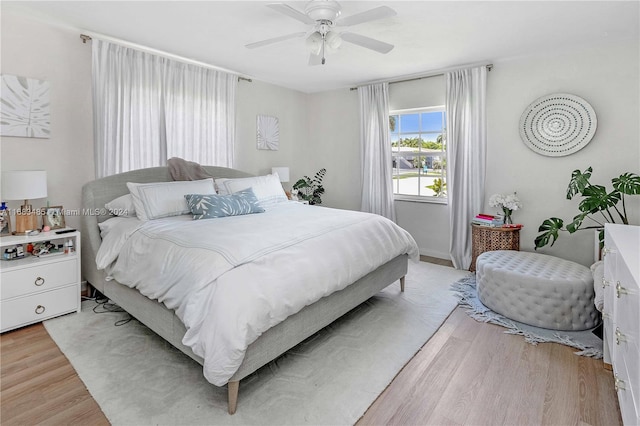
pixel 420 199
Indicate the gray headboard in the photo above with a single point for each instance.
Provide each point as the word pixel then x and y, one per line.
pixel 97 193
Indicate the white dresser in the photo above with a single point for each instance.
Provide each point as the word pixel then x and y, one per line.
pixel 622 315
pixel 33 289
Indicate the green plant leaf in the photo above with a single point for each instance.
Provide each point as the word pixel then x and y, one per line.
pixel 301 183
pixel 627 183
pixel 549 229
pixel 579 181
pixel 577 221
pixel 598 199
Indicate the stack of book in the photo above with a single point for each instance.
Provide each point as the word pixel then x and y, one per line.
pixel 488 220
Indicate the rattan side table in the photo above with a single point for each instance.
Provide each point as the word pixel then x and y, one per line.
pixel 486 238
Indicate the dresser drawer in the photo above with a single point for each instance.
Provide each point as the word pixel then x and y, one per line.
pixel 19 282
pixel 627 380
pixel 37 307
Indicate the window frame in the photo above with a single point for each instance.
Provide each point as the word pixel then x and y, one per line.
pixel 419 198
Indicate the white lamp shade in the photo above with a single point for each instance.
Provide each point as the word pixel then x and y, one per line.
pixel 282 172
pixel 24 184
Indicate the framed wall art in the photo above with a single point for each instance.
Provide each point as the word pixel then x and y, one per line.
pixel 268 133
pixel 24 110
pixel 53 217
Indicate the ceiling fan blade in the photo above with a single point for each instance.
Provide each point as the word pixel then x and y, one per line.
pixel 368 42
pixel 370 15
pixel 289 11
pixel 315 59
pixel 273 40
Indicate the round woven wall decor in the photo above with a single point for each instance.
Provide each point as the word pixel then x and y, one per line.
pixel 558 124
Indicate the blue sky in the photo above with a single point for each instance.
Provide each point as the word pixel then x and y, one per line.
pixel 431 122
pixel 409 123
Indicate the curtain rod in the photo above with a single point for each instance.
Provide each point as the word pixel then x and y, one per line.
pixel 436 74
pixel 85 38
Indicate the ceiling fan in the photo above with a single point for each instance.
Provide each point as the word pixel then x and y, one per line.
pixel 324 15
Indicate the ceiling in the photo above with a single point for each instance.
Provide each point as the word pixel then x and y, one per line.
pixel 428 35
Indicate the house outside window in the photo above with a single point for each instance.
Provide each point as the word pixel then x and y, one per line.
pixel 418 146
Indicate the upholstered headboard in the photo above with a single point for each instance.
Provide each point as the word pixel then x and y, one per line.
pixel 97 193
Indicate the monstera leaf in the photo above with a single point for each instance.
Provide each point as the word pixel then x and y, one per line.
pixel 627 183
pixel 597 205
pixel 598 199
pixel 579 181
pixel 577 222
pixel 549 229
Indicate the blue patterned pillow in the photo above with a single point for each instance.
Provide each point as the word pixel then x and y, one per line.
pixel 208 206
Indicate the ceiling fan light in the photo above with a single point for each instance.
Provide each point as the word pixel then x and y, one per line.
pixel 333 40
pixel 314 43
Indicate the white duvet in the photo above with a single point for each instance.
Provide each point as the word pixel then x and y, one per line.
pixel 231 279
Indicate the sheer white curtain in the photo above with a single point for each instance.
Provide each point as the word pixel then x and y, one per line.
pixel 200 106
pixel 466 156
pixel 147 108
pixel 377 185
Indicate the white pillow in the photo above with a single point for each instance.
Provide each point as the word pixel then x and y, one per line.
pixel 219 184
pixel 163 199
pixel 268 189
pixel 122 206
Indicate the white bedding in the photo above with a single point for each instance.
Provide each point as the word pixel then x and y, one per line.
pixel 230 279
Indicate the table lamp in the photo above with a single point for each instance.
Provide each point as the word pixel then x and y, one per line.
pixel 24 185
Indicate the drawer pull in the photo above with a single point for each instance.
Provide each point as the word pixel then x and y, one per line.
pixel 605 283
pixel 40 309
pixel 620 290
pixel 39 281
pixel 618 384
pixel 620 337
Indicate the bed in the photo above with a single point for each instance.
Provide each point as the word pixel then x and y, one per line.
pixel 269 343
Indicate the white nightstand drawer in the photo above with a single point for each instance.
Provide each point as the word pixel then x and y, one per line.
pixel 38 307
pixel 25 281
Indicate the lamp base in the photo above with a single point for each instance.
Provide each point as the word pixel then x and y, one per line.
pixel 26 220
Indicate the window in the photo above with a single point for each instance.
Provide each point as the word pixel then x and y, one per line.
pixel 419 153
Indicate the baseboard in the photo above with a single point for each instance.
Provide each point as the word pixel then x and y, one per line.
pixel 435 253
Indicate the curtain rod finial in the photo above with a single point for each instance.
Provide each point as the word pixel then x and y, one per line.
pixel 84 38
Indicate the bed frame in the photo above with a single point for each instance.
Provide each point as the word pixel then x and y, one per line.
pixel 163 321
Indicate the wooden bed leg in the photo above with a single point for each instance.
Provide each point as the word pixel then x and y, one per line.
pixel 233 396
pixel 402 284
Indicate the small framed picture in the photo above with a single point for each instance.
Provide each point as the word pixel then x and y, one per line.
pixel 53 217
pixel 5 223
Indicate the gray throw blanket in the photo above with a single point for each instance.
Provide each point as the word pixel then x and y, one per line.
pixel 181 169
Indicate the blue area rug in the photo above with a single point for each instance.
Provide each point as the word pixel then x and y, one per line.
pixel 588 343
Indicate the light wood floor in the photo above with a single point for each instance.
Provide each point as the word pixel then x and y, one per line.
pixel 468 373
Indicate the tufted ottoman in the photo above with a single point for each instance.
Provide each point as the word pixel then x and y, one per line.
pixel 536 289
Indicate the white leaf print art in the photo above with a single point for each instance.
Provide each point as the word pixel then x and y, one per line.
pixel 24 107
pixel 268 133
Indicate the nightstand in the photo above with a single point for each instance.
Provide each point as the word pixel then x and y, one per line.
pixel 486 238
pixel 36 288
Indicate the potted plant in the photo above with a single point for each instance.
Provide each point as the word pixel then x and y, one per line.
pixel 311 189
pixel 598 205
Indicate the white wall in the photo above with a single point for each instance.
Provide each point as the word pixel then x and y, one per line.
pixel 31 49
pixel 290 107
pixel 608 77
pixel 333 143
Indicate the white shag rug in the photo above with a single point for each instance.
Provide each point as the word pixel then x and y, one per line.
pixel 331 378
pixel 588 343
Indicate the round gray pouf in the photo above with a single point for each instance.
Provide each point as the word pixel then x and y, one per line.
pixel 537 289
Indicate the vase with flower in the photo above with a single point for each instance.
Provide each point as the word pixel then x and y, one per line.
pixel 508 203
